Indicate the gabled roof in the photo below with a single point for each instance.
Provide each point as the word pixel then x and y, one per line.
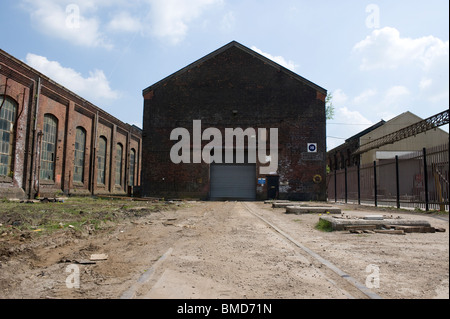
pixel 367 130
pixel 247 50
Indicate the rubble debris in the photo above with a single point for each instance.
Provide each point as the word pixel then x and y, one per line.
pixel 284 204
pixel 77 261
pixel 360 227
pixel 374 217
pixel 51 200
pixel 390 231
pixel 97 257
pixel 344 223
pixel 312 210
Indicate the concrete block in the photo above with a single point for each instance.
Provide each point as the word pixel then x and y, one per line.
pixel 342 223
pixel 312 210
pixel 297 204
pixel 374 217
pixel 283 204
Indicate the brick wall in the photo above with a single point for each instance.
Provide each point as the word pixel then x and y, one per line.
pixel 36 95
pixel 228 89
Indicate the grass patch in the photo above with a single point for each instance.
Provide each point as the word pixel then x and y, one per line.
pixel 76 213
pixel 324 225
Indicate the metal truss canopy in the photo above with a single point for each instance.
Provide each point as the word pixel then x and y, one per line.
pixel 411 130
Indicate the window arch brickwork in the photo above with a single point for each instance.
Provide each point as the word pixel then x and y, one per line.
pixel 79 156
pixel 48 148
pixel 101 160
pixel 7 119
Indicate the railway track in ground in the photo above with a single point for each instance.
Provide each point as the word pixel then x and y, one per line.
pixel 351 287
pixel 232 251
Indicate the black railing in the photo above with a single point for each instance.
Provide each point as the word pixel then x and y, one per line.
pixel 419 179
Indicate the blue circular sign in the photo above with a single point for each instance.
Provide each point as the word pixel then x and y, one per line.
pixel 312 147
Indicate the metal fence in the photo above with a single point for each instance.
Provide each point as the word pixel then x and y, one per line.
pixel 417 180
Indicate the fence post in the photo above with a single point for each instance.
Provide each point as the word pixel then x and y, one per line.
pixel 335 185
pixel 425 178
pixel 359 183
pixel 375 182
pixel 397 179
pixel 346 188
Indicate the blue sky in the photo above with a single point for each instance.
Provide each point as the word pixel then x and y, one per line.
pixel 377 58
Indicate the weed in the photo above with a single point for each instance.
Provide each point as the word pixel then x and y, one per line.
pixel 324 225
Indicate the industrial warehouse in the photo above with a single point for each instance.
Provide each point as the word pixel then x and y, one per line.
pixel 179 209
pixel 235 88
pixel 55 143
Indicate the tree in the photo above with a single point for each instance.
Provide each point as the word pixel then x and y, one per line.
pixel 329 108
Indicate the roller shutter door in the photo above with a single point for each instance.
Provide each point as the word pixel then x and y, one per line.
pixel 233 182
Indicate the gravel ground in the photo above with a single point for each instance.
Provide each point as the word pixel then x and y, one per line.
pixel 220 250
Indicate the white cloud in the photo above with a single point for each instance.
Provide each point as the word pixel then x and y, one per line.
pixel 365 96
pixel 345 124
pixel 344 115
pixel 386 49
pixel 425 83
pixel 396 92
pixel 228 22
pixel 124 22
pixel 278 59
pixel 170 19
pixel 339 98
pixel 422 61
pixel 95 87
pixel 64 20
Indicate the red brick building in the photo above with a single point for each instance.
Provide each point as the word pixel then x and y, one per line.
pixel 53 141
pixel 235 87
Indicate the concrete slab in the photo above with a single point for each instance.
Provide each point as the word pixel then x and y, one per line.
pixel 341 223
pixel 271 201
pixel 298 204
pixel 374 217
pixel 312 210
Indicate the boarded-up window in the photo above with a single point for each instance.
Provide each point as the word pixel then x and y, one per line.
pixel 80 145
pixel 48 150
pixel 7 119
pixel 101 160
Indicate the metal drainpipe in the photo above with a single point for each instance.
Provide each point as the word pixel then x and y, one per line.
pixel 94 155
pixel 37 143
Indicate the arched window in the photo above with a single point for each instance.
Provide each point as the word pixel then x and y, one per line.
pixel 119 153
pixel 132 166
pixel 48 150
pixel 78 165
pixel 101 160
pixel 7 120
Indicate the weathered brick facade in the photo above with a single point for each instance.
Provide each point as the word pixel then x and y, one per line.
pixel 33 95
pixel 230 88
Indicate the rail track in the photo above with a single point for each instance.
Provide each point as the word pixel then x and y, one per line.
pixel 342 280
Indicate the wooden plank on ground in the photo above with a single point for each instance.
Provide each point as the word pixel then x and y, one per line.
pixel 360 227
pixel 416 229
pixel 390 231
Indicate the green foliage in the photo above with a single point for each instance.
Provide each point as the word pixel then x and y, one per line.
pixel 329 108
pixel 324 225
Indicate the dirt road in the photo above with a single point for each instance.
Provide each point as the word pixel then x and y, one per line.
pixel 225 250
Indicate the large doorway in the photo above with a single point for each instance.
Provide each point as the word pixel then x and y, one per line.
pixel 233 182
